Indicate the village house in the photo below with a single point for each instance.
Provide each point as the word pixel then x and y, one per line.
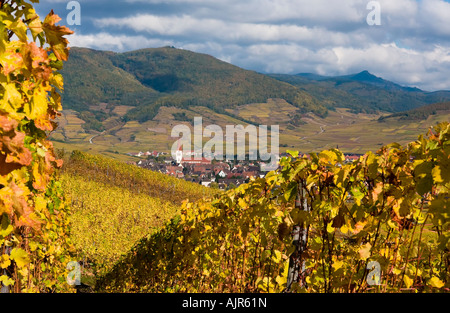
pixel 351 158
pixel 176 171
pixel 249 174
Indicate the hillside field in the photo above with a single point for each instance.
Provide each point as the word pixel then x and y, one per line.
pixel 352 133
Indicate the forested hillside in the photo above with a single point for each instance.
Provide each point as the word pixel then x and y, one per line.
pixel 149 78
pixel 363 92
pixel 421 113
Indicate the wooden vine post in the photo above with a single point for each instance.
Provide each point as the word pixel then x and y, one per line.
pixel 296 269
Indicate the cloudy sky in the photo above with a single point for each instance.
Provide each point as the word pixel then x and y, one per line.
pixel 327 37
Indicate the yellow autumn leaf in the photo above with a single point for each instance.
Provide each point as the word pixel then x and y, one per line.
pixel 20 257
pixel 437 174
pixel 4 261
pixel 54 35
pixel 436 282
pixel 328 156
pixel 408 281
pixel 12 99
pixel 337 265
pixel 6 281
pixel 38 106
pixel 330 229
pixel 19 28
pixel 40 204
pixel 277 256
pixel 281 280
pixel 5 227
pixel 34 23
pixel 58 81
pixel 242 203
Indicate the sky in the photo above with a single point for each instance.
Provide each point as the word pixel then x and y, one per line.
pixel 405 41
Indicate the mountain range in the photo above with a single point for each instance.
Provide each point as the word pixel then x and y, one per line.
pixel 118 97
pixel 363 92
pixel 149 78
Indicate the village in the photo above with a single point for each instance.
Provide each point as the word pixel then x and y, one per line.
pixel 207 171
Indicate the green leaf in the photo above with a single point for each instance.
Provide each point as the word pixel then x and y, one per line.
pixel 291 191
pixel 5 228
pixel 294 154
pixel 432 145
pixel 424 185
pixel 357 195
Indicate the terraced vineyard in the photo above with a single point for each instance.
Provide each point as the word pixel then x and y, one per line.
pixel 352 133
pixel 115 204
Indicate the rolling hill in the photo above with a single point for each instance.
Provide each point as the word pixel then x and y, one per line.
pixel 363 92
pixel 116 103
pixel 147 79
pixel 421 113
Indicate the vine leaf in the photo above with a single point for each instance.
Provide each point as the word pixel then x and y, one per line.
pixel 20 257
pixel 54 35
pixel 436 282
pixel 364 251
pixel 408 281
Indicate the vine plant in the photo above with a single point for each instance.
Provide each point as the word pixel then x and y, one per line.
pixel 34 241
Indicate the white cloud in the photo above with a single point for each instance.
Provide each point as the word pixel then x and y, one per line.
pixel 425 69
pixel 106 41
pixel 436 13
pixel 245 33
pixel 329 37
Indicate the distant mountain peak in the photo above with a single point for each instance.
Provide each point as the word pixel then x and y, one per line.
pixel 365 73
pixel 366 76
